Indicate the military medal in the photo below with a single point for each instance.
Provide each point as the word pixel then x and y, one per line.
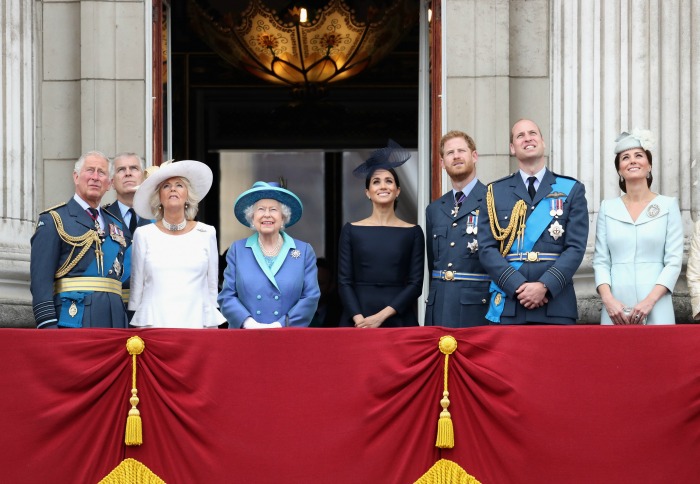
pixel 296 253
pixel 653 210
pixel 117 235
pixel 497 299
pixel 473 246
pixel 117 267
pixel 73 309
pixel 471 224
pixel 556 207
pixel 556 230
pixel 458 203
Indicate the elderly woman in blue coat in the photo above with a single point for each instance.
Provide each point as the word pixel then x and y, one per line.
pixel 270 280
pixel 639 241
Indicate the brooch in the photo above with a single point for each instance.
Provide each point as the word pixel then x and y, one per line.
pixel 653 210
pixel 296 253
pixel 497 299
pixel 73 309
pixel 556 230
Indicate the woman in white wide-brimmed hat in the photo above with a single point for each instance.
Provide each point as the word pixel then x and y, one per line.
pixel 174 265
pixel 270 279
pixel 639 241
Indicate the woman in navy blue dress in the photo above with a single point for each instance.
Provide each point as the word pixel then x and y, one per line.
pixel 380 268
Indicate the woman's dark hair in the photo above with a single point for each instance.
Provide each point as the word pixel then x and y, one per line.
pixel 622 182
pixel 393 173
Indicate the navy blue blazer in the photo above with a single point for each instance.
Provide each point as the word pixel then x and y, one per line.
pixel 557 274
pixel 455 304
pixel 288 292
pixel 49 252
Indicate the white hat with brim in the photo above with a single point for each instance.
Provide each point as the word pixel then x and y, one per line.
pixel 197 173
pixel 261 191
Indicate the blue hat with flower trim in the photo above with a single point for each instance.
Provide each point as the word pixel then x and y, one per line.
pixel 263 190
pixel 392 156
pixel 637 138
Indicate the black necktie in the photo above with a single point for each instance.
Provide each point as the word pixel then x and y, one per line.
pixel 132 222
pixel 92 212
pixel 531 187
pixel 458 198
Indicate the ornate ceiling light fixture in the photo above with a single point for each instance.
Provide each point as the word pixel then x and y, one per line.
pixel 305 44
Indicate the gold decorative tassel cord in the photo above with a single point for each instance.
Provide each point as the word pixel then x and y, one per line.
pixel 134 433
pixel 445 433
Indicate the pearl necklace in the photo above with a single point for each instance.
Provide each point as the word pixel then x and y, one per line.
pixel 274 251
pixel 174 227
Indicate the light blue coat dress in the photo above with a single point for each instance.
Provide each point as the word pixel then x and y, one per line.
pixel 633 256
pixel 287 292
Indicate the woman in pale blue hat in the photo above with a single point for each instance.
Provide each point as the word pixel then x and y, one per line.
pixel 270 280
pixel 639 241
pixel 381 258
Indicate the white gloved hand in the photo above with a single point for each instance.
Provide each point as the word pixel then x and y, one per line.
pixel 250 323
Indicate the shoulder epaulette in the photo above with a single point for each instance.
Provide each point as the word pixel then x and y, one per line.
pixel 52 208
pixel 501 179
pixel 564 176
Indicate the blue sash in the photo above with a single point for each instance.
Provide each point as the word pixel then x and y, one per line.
pixel 537 222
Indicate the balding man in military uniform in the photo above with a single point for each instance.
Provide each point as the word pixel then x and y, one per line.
pixel 533 229
pixel 77 256
pixel 129 170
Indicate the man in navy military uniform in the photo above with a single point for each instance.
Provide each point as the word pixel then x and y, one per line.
pixel 128 175
pixel 533 230
pixel 459 286
pixel 77 256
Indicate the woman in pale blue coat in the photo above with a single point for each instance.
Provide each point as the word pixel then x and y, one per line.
pixel 270 279
pixel 639 242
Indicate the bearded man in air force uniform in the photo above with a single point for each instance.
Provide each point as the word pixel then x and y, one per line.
pixel 459 286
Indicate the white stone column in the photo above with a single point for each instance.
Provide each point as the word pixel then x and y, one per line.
pixel 17 202
pixel 617 65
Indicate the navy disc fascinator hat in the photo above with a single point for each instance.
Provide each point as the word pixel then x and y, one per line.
pixel 392 156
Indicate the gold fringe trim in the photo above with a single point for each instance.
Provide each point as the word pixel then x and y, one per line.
pixel 131 471
pixel 446 472
pixel 516 224
pixel 445 433
pixel 134 432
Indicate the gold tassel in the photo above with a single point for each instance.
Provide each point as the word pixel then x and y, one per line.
pixel 445 434
pixel 134 432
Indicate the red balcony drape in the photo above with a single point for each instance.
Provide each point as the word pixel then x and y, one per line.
pixel 529 404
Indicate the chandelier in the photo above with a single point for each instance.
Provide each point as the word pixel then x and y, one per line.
pixel 306 44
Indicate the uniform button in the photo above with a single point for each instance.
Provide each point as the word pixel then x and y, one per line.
pixel 483 301
pixel 449 265
pixel 110 271
pixel 257 312
pixel 434 236
pixel 532 208
pixel 276 313
pixel 452 244
pixel 276 297
pixel 259 296
pixel 454 224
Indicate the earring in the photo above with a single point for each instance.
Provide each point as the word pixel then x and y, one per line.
pixel 649 174
pixel 621 179
pixel 187 205
pixel 160 207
